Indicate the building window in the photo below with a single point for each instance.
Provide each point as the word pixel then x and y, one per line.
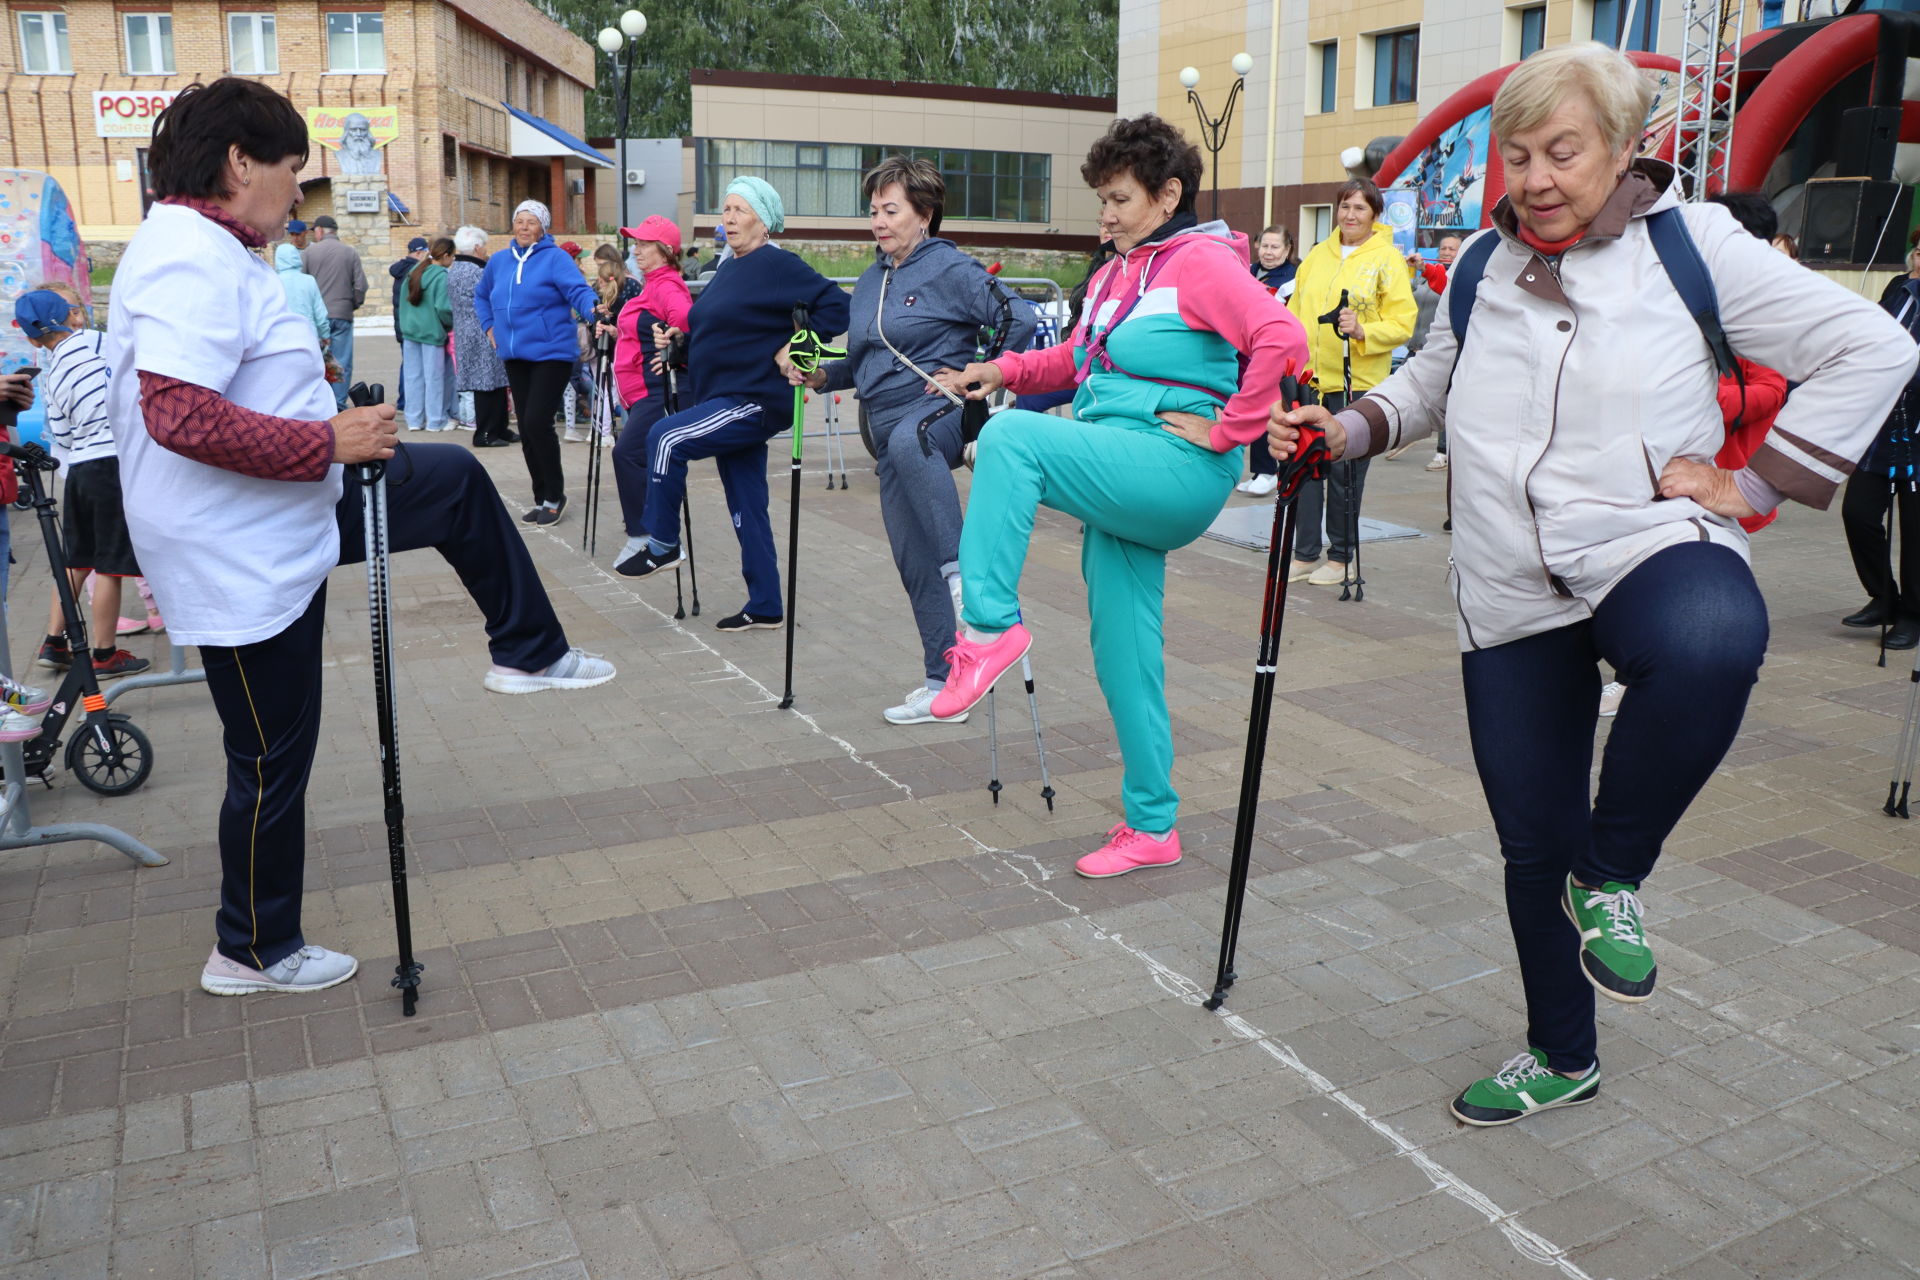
pixel 1316 223
pixel 449 157
pixel 822 180
pixel 1326 63
pixel 43 44
pixel 252 47
pixel 356 42
pixel 1610 23
pixel 149 43
pixel 1396 67
pixel 1533 31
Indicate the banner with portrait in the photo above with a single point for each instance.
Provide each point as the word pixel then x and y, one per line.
pixel 355 136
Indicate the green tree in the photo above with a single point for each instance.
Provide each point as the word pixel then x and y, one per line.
pixel 1045 46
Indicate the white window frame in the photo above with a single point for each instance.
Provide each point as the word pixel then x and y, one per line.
pixel 158 39
pixel 358 15
pixel 1316 224
pixel 54 48
pixel 262 33
pixel 1316 76
pixel 1364 85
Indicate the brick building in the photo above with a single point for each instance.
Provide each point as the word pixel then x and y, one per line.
pixel 462 108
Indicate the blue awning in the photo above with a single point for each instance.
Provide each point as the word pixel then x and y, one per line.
pixel 530 137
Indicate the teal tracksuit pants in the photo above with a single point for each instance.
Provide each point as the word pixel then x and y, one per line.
pixel 1140 492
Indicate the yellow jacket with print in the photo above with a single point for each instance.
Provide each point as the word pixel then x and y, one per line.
pixel 1380 293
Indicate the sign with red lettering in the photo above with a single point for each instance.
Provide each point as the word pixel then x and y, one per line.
pixel 128 113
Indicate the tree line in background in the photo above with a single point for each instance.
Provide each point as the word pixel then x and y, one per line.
pixel 1042 46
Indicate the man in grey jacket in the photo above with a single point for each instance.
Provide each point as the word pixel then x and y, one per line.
pixel 343 287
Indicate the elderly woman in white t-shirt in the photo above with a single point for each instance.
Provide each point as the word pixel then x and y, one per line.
pixel 235 501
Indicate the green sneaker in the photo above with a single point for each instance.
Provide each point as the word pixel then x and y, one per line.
pixel 1613 947
pixel 1521 1088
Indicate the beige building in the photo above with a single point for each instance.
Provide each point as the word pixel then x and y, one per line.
pixel 1011 159
pixel 425 114
pixel 1334 75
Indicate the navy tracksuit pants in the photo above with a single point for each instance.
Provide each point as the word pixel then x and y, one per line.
pixel 733 431
pixel 268 693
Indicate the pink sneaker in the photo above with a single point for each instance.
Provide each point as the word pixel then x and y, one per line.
pixel 131 627
pixel 974 669
pixel 1129 850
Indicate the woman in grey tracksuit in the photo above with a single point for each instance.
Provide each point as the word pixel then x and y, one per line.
pixel 921 306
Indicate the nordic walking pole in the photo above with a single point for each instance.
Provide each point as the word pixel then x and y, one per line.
pixel 1308 461
pixel 1907 753
pixel 1033 708
pixel 601 426
pixel 679 598
pixel 373 510
pixel 806 350
pixel 993 749
pixel 1350 588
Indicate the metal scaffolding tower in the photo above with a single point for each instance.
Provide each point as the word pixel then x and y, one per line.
pixel 1709 78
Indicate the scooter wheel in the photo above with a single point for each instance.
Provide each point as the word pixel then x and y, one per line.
pixel 118 767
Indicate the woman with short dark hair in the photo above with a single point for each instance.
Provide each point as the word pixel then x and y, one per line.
pixel 921 306
pixel 231 459
pixel 1145 462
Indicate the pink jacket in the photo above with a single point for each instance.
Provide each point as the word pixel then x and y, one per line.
pixel 664 296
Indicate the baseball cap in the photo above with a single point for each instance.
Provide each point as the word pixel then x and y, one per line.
pixel 295 227
pixel 41 313
pixel 719 235
pixel 416 244
pixel 326 220
pixel 572 248
pixel 658 229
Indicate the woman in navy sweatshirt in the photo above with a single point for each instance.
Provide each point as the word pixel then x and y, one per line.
pixel 739 324
pixel 526 302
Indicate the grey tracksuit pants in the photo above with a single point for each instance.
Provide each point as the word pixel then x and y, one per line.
pixel 921 508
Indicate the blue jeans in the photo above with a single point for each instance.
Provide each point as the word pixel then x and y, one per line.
pixel 340 347
pixel 423 370
pixel 1686 632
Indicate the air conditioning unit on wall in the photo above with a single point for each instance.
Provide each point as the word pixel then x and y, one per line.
pixel 577 185
pixel 636 177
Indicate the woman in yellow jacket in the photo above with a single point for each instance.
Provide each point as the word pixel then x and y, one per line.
pixel 1379 316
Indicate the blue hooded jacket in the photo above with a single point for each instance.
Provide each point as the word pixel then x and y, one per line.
pixel 528 297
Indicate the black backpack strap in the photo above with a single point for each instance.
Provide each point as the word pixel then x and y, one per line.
pixel 1692 281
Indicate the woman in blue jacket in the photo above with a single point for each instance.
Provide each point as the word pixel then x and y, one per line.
pixel 526 302
pixel 921 306
pixel 740 399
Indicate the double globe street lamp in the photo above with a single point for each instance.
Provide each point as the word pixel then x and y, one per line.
pixel 1213 131
pixel 633 25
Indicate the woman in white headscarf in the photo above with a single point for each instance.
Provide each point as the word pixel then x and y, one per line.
pixel 527 302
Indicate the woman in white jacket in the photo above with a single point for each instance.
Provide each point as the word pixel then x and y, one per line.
pixel 1590 522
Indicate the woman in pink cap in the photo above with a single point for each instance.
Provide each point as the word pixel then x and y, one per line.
pixel 639 369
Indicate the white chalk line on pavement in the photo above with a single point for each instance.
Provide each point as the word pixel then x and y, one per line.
pixel 1527 1242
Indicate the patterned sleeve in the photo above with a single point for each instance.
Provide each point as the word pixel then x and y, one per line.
pixel 205 426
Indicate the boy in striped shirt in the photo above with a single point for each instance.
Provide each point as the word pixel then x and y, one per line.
pixel 73 381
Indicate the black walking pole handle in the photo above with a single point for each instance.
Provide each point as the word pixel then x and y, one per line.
pixel 1333 317
pixel 362 395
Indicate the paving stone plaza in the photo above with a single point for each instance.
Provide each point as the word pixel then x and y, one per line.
pixel 718 990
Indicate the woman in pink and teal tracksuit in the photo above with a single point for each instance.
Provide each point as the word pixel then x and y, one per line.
pixel 1178 354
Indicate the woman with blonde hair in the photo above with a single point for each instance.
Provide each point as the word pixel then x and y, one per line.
pixel 1590 522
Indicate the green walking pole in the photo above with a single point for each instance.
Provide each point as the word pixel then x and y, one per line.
pixel 806 350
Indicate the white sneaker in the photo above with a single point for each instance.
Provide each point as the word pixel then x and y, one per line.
pixel 308 969
pixel 1439 462
pixel 1610 697
pixel 574 436
pixel 17 727
pixel 1301 570
pixel 1258 486
pixel 918 709
pixel 1330 574
pixel 577 670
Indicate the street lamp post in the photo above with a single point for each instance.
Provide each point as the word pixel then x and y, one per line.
pixel 1213 131
pixel 633 25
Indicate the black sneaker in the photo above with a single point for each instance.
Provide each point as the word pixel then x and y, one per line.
pixel 55 657
pixel 121 663
pixel 549 515
pixel 532 514
pixel 744 621
pixel 644 563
